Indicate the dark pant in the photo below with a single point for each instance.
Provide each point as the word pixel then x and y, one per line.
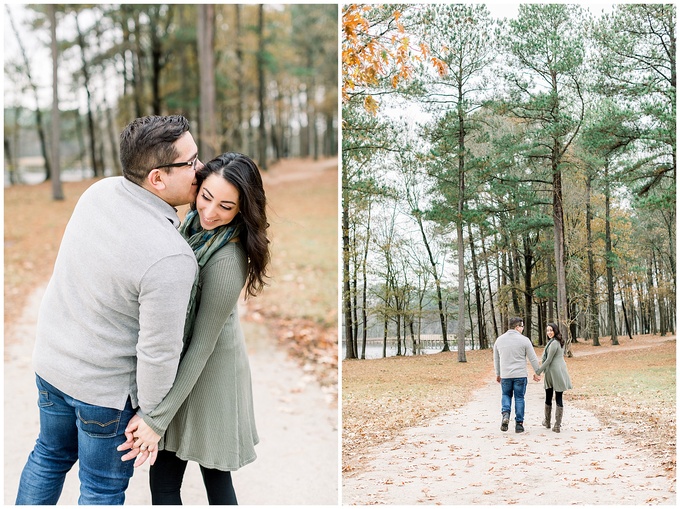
pixel 167 473
pixel 549 396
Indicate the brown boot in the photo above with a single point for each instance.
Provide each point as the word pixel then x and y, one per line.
pixel 558 419
pixel 548 411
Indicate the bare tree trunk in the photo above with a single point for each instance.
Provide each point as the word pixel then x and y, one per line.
pixel 206 66
pixel 90 116
pixel 34 88
pixel 57 191
pixel 513 270
pixel 385 328
pixel 364 297
pixel 350 353
pixel 558 219
pixel 138 69
pixel 626 321
pixel 11 167
pixel 528 285
pixel 437 277
pixel 240 83
pixel 609 257
pixel 460 333
pixel 353 285
pixel 592 329
pixel 261 90
pixel 488 284
pixel 481 325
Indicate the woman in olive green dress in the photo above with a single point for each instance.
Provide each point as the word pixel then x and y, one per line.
pixel 556 376
pixel 208 416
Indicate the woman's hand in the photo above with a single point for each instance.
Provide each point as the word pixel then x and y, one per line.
pixel 142 440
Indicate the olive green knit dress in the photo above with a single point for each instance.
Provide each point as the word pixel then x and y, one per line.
pixel 208 415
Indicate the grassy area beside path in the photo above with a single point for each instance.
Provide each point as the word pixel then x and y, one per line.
pixel 631 388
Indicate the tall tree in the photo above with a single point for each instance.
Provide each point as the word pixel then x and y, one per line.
pixel 261 88
pixel 206 70
pixel 547 52
pixel 636 60
pixel 57 191
pixel 458 36
pixel 34 88
pixel 85 70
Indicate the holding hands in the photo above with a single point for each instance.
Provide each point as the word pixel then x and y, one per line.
pixel 142 442
pixel 537 378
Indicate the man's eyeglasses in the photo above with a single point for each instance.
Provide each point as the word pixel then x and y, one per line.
pixel 191 163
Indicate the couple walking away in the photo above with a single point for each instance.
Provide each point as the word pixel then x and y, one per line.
pixel 138 345
pixel 510 354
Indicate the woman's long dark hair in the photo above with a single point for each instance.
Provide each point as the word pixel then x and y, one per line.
pixel 558 334
pixel 243 173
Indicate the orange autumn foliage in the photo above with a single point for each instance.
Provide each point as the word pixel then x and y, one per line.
pixel 374 50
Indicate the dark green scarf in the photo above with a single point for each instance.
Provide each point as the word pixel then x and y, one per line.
pixel 545 350
pixel 204 243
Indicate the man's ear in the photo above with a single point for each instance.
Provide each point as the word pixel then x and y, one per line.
pixel 155 179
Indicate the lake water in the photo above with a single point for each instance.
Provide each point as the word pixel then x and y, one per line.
pixel 374 350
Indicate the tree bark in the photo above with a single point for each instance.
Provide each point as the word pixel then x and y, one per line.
pixel 261 90
pixel 346 297
pixel 440 300
pixel 592 329
pixel 98 172
pixel 34 88
pixel 481 326
pixel 208 145
pixel 57 191
pixel 609 257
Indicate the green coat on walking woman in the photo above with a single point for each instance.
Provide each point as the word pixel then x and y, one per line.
pixel 552 363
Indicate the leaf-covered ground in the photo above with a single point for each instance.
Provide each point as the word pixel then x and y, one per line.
pixel 299 306
pixel 381 397
pixel 630 387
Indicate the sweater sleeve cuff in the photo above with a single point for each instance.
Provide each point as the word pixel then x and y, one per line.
pixel 155 426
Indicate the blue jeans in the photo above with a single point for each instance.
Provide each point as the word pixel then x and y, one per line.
pixel 518 387
pixel 71 431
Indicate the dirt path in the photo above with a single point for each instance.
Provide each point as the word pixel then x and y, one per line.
pixel 296 419
pixel 463 458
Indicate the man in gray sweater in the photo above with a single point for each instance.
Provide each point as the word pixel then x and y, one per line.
pixel 110 325
pixel 510 353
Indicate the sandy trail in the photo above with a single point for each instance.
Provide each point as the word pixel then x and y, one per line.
pixel 296 419
pixel 463 458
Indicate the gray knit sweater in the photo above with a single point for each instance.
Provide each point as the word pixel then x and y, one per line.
pixel 510 354
pixel 111 321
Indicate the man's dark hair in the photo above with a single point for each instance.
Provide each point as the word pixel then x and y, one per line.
pixel 148 142
pixel 515 321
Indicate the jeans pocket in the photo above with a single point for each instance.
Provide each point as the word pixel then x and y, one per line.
pixel 44 399
pixel 97 421
pixel 43 393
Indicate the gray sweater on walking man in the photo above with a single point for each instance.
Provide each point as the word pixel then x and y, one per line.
pixel 510 353
pixel 112 319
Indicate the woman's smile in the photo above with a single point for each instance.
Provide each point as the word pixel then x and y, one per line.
pixel 217 202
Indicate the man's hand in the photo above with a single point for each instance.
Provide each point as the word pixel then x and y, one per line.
pixel 142 442
pixel 498 379
pixel 537 378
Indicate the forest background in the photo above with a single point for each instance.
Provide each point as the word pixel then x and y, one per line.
pixel 260 79
pixel 497 167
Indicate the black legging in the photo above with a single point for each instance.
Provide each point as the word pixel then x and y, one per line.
pixel 549 395
pixel 165 479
